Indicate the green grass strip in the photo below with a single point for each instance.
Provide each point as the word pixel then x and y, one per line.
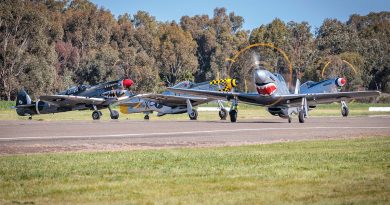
pixel 313 172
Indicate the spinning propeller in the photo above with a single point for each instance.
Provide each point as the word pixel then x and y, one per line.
pixel 260 56
pixel 344 71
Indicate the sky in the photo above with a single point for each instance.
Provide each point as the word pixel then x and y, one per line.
pixel 255 12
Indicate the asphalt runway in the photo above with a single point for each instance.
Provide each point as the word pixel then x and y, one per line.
pixel 20 137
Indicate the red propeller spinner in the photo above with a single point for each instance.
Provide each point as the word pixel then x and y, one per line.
pixel 127 83
pixel 341 82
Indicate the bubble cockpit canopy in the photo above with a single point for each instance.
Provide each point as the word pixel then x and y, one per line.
pixel 184 84
pixel 74 90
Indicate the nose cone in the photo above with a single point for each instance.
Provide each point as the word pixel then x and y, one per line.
pixel 260 76
pixel 265 84
pixel 127 83
pixel 341 82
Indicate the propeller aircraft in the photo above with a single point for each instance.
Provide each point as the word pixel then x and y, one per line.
pixel 81 97
pixel 172 103
pixel 273 93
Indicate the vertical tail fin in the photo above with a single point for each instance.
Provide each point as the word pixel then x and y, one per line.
pixel 23 98
pixel 297 86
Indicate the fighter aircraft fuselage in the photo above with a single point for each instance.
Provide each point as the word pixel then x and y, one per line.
pixel 169 102
pixel 81 97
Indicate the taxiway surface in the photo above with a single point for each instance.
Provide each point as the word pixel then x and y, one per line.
pixel 18 137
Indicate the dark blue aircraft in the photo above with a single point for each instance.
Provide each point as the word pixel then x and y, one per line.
pixel 81 97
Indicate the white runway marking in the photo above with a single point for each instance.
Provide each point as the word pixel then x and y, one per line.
pixel 379 109
pixel 177 133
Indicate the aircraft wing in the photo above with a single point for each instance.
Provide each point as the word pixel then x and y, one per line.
pixel 214 95
pixel 328 97
pixel 292 99
pixel 71 100
pixel 173 100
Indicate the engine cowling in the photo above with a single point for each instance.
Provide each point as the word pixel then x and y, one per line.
pixel 267 89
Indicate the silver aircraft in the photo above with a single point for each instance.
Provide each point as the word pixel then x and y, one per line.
pixel 172 103
pixel 273 93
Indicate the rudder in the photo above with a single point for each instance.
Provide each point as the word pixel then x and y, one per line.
pixel 23 98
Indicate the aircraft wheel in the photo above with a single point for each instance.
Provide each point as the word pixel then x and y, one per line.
pixel 233 115
pixel 223 114
pixel 344 111
pixel 289 119
pixel 146 117
pixel 193 115
pixel 114 115
pixel 96 115
pixel 301 116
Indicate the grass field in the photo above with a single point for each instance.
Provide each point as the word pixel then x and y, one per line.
pixel 245 112
pixel 314 172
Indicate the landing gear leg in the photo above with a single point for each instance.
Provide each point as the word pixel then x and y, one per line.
pixel 192 113
pixel 113 113
pixel 222 111
pixel 303 112
pixel 344 109
pixel 96 114
pixel 233 111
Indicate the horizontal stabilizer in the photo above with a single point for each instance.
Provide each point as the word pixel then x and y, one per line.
pixel 24 106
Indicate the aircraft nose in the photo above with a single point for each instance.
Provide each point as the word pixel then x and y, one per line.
pixel 127 83
pixel 260 76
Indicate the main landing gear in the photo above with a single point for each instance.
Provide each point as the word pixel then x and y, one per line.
pixel 222 111
pixel 344 109
pixel 233 111
pixel 303 112
pixel 223 114
pixel 96 115
pixel 192 113
pixel 113 113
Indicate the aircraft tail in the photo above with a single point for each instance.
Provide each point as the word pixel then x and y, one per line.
pixel 23 98
pixel 297 86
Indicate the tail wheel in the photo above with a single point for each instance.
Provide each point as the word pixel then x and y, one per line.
pixel 233 115
pixel 344 111
pixel 223 114
pixel 193 115
pixel 301 116
pixel 114 114
pixel 96 115
pixel 146 117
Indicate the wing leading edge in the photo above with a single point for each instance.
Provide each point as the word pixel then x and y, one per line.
pixel 71 100
pixel 172 99
pixel 291 99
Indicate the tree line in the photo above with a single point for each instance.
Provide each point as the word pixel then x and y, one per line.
pixel 48 45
